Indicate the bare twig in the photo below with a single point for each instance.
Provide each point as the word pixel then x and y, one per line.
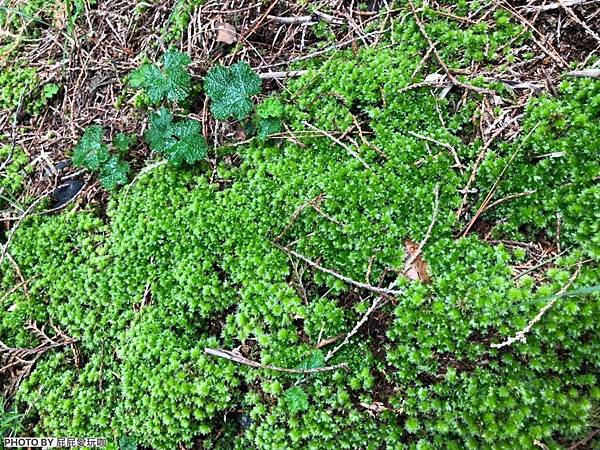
pixel 305 20
pixel 577 20
pixel 452 150
pixel 556 5
pixel 18 363
pixel 439 59
pixel 280 75
pixel 368 287
pixel 337 141
pixel 590 73
pixel 236 357
pixel 16 225
pixel 507 198
pixel 436 206
pixel 520 336
pixel 359 324
pixel 478 161
pixel 492 191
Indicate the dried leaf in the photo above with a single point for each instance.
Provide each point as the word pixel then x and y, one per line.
pixel 417 269
pixel 226 32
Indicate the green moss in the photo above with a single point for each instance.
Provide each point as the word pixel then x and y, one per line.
pixel 21 87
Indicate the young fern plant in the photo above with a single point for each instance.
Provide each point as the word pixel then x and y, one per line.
pixel 92 154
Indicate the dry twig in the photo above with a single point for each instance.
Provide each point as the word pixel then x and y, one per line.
pixel 368 287
pixel 520 336
pixel 236 357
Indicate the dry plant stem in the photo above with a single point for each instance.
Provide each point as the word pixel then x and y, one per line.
pixel 590 73
pixel 520 336
pixel 507 198
pixel 490 194
pixel 436 207
pixel 551 53
pixel 306 20
pixel 368 287
pixel 280 75
pixel 551 6
pixel 235 357
pixel 585 440
pixel 581 23
pixel 478 161
pixel 439 59
pixel 312 202
pixel 377 300
pixel 337 141
pixel 452 150
pixel 359 324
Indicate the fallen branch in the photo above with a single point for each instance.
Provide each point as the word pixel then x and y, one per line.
pixel 436 206
pixel 17 363
pixel 16 225
pixel 368 287
pixel 280 75
pixel 507 198
pixel 452 150
pixel 337 141
pixel 439 59
pixel 520 336
pixel 577 20
pixel 492 191
pixel 236 357
pixel 305 20
pixel 589 73
pixel 359 324
pixel 556 5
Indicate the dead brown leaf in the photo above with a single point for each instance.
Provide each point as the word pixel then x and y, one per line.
pixel 417 269
pixel 226 33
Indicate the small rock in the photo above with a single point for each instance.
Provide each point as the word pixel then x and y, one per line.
pixel 66 191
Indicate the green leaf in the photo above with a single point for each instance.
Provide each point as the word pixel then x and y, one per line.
pixel 123 142
pixel 267 126
pixel 296 399
pixel 114 172
pixel 230 90
pixel 172 81
pixel 315 360
pixel 179 141
pixel 90 152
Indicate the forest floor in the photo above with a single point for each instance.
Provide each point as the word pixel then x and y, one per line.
pixel 67 66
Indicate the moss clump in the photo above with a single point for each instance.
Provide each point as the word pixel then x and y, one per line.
pixel 21 87
pixel 14 167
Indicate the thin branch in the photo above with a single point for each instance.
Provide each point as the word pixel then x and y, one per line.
pixel 452 150
pixel 507 198
pixel 439 59
pixel 436 207
pixel 520 336
pixel 590 73
pixel 236 357
pixel 368 287
pixel 280 75
pixel 576 19
pixel 492 191
pixel 337 141
pixel 305 20
pixel 556 5
pixel 359 324
pixel 16 225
